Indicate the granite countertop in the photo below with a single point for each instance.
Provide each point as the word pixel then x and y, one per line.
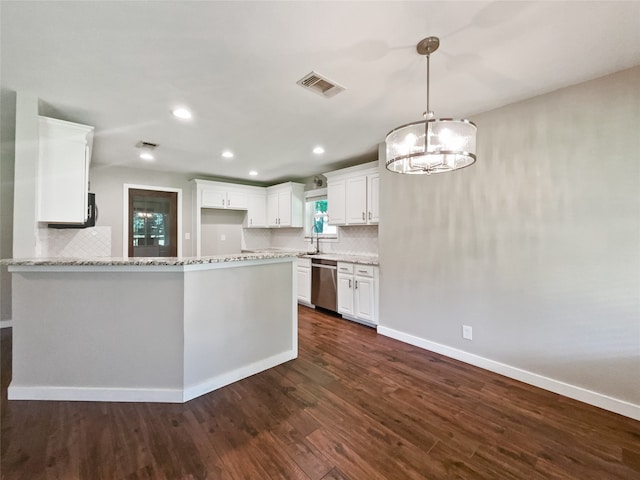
pixel 339 257
pixel 346 257
pixel 178 261
pixel 148 261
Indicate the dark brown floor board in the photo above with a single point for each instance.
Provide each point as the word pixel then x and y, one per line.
pixel 353 406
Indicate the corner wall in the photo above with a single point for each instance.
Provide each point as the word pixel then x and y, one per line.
pixel 536 246
pixel 7 158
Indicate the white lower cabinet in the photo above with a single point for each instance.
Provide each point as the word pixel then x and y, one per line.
pixel 357 292
pixel 304 280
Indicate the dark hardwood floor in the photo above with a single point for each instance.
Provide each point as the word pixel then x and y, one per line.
pixel 354 405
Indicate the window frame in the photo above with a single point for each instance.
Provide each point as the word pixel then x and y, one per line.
pixel 309 197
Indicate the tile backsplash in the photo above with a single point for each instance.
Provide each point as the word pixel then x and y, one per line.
pixel 72 242
pixel 356 240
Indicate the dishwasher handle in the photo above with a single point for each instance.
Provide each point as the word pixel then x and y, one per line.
pixel 320 265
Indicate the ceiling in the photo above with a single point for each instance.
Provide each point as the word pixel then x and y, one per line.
pixel 123 66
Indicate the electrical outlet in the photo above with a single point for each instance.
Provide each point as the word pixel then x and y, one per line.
pixel 467 332
pixel 187 236
pixel 223 237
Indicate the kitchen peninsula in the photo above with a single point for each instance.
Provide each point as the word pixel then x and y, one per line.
pixel 149 329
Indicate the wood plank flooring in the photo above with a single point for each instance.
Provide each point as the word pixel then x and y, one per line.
pixel 353 406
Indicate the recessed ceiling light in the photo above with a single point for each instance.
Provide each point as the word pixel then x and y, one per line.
pixel 318 150
pixel 227 154
pixel 146 156
pixel 182 113
pixel 253 173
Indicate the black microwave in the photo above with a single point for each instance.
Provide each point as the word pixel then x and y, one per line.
pixel 92 216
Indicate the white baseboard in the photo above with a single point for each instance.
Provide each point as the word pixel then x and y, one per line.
pixel 21 392
pixel 227 378
pixel 6 324
pixel 577 393
pixel 88 394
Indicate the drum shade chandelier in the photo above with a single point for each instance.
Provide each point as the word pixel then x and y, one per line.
pixel 433 145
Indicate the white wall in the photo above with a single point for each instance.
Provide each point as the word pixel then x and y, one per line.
pixel 107 183
pixel 7 156
pixel 25 199
pixel 536 246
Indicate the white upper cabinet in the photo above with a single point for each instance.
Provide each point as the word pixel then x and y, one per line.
pixel 356 200
pixel 256 209
pixel 222 196
pixel 64 154
pixel 285 205
pixel 373 198
pixel 353 195
pixel 336 192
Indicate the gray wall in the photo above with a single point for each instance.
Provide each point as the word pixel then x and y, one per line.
pixel 107 183
pixel 536 246
pixel 7 156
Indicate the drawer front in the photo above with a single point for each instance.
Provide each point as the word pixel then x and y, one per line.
pixel 364 270
pixel 304 262
pixel 345 267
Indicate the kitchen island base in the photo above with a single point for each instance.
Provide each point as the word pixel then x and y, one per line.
pixel 149 333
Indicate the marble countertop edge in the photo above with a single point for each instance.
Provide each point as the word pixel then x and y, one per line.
pixel 246 255
pixel 144 261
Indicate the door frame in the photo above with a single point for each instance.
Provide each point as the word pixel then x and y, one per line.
pixel 125 213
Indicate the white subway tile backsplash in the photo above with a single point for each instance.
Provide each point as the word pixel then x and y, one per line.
pixel 77 243
pixel 360 240
pixel 256 238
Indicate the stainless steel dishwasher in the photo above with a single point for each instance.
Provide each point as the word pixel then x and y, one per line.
pixel 324 291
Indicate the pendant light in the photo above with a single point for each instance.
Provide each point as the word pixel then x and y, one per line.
pixel 431 145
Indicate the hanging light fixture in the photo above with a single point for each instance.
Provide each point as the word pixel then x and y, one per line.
pixel 431 145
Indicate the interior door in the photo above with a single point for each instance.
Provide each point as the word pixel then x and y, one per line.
pixel 153 223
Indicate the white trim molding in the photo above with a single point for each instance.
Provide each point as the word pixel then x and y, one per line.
pixel 577 393
pixel 125 213
pixel 90 394
pixel 227 378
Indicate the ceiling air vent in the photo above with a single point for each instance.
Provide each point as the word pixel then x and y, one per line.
pixel 320 85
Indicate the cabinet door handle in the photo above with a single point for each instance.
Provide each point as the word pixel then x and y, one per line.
pixel 369 215
pixel 356 284
pixel 228 202
pixel 363 215
pixel 349 283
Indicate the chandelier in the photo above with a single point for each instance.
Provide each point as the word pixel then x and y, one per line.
pixel 433 145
